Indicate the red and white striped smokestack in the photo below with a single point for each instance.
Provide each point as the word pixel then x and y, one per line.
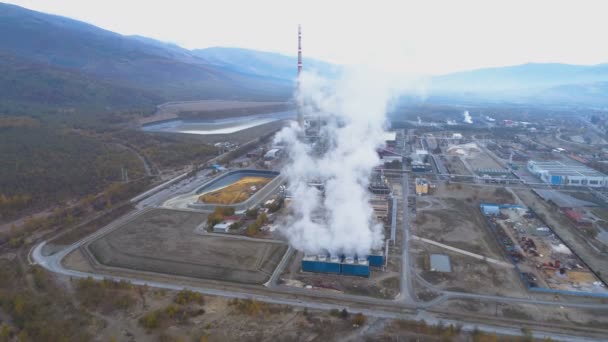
pixel 300 115
pixel 299 50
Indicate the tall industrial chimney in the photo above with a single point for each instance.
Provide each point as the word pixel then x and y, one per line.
pixel 300 115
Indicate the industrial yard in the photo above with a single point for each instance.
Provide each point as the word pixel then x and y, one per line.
pixel 542 258
pixel 466 274
pixel 382 282
pixel 168 242
pixel 450 218
pixel 453 224
pixel 439 243
pixel 231 190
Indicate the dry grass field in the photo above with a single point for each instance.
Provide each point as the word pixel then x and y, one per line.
pixel 236 192
pixel 165 242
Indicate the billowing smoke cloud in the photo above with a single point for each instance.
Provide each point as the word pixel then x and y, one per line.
pixel 467 117
pixel 340 220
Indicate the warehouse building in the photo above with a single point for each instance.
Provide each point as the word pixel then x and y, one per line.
pixel 569 174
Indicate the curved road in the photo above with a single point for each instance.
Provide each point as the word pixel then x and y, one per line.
pixel 405 307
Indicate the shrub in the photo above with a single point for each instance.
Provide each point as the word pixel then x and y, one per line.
pixel 186 296
pixel 359 319
pixel 107 295
pixel 344 314
pixel 252 213
pixel 150 320
pixel 252 229
pixel 250 307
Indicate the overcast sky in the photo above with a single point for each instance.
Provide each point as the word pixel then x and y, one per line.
pixel 417 36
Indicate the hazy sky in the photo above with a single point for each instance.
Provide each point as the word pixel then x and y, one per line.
pixel 408 36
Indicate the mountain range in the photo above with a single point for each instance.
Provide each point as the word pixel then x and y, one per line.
pixel 53 61
pixel 46 59
pixel 535 83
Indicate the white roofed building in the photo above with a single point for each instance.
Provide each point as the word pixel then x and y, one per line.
pixel 570 174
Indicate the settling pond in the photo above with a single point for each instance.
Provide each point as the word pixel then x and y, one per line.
pixel 233 176
pixel 217 126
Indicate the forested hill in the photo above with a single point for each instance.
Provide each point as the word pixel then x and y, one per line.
pixel 68 90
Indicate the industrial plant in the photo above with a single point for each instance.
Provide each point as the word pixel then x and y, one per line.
pixel 345 265
pixel 442 215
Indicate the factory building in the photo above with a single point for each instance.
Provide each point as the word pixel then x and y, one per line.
pixel 569 174
pixel 221 227
pixel 422 152
pixel 494 172
pixel 419 163
pixel 272 154
pixel 388 156
pixel 381 206
pixel 422 186
pixel 378 184
pixel 390 139
pixel 345 265
pixel 227 222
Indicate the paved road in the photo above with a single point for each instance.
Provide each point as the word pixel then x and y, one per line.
pixel 406 295
pixel 402 308
pixel 272 282
pixel 53 264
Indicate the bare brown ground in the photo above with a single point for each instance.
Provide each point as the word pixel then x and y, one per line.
pixel 468 274
pixel 531 313
pixel 165 242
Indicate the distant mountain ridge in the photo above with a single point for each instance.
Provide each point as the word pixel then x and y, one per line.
pixel 261 63
pixel 49 60
pixel 529 83
pixel 67 52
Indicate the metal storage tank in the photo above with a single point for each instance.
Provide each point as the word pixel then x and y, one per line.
pixel 359 268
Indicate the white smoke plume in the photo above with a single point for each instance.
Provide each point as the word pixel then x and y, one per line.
pixel 341 221
pixel 467 117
